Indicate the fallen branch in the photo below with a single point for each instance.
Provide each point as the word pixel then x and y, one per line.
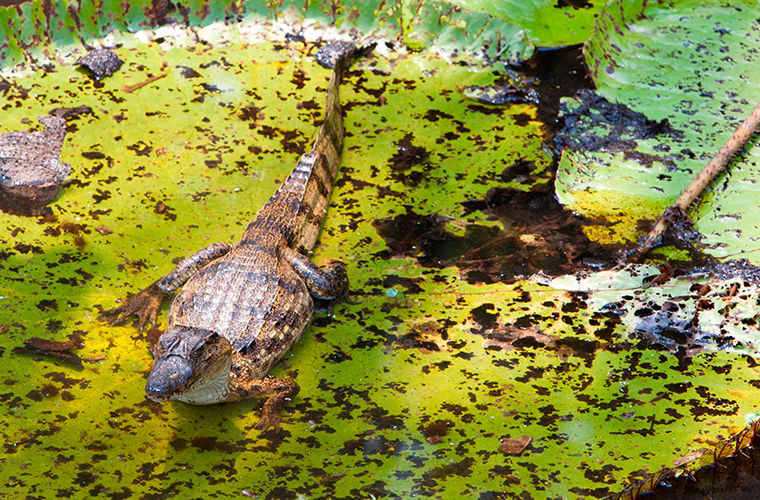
pixel 716 165
pixel 133 87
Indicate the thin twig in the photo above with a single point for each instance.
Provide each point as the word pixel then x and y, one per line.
pixel 132 88
pixel 716 165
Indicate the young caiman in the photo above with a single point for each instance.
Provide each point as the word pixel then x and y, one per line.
pixel 242 306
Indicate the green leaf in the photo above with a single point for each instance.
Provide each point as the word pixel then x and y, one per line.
pixel 186 160
pixel 691 312
pixel 548 23
pixel 44 29
pixel 413 389
pixel 694 65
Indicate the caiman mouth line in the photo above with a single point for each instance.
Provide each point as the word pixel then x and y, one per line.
pixel 209 384
pixel 158 398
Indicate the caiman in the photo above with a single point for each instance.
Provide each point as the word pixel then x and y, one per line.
pixel 242 306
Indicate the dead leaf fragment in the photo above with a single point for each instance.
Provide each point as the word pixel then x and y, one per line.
pixel 31 170
pixel 689 457
pixel 71 113
pixel 434 430
pixel 53 349
pixel 103 230
pixel 514 446
pixel 97 357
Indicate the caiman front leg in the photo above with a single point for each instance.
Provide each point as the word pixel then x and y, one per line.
pixel 282 391
pixel 326 282
pixel 146 303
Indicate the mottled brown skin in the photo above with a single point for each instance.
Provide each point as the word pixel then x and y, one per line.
pixel 242 306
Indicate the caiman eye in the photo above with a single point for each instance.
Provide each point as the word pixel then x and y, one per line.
pixel 166 341
pixel 162 345
pixel 213 339
pixel 196 353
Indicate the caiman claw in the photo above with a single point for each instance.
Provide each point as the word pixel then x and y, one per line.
pixel 282 391
pixel 144 305
pixel 268 420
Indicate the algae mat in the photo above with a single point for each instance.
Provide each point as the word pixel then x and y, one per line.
pixel 447 377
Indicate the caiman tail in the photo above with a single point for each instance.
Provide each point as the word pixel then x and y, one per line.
pixel 300 204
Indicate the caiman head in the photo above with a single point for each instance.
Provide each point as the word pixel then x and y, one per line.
pixel 191 365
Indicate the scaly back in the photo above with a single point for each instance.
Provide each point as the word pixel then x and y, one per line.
pixel 298 207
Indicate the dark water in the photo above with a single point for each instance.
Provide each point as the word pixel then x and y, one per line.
pixel 560 72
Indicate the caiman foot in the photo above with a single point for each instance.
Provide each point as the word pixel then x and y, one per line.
pixel 144 305
pixel 284 390
pixel 327 282
pixel 336 282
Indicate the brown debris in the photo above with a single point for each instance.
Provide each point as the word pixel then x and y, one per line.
pixel 514 446
pixel 330 52
pixel 162 208
pixel 71 113
pixel 100 63
pixel 666 273
pixel 31 170
pixel 689 457
pixel 53 349
pixel 435 430
pixel 103 230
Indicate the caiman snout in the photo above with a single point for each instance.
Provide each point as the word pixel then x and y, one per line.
pixel 168 377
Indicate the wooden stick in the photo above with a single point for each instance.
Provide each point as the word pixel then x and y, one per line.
pixel 716 165
pixel 132 88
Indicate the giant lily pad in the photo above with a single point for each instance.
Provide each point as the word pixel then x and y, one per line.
pixel 37 32
pixel 449 375
pixel 547 23
pixel 693 65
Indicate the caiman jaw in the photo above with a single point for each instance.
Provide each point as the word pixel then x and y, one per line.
pixel 179 378
pixel 168 378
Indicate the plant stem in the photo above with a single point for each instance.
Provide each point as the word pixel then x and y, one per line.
pixel 716 165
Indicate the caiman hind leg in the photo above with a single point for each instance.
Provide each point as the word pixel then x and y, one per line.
pixel 282 390
pixel 326 282
pixel 145 304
